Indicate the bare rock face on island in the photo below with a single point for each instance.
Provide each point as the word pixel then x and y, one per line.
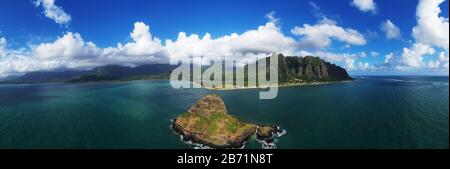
pixel 207 122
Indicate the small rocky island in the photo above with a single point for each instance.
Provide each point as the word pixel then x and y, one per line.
pixel 208 123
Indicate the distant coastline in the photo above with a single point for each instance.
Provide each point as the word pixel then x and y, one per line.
pixel 293 71
pixel 280 85
pixel 196 84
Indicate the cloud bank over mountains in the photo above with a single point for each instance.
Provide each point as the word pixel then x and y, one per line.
pixel 71 51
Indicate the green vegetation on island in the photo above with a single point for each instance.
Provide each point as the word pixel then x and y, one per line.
pixel 207 122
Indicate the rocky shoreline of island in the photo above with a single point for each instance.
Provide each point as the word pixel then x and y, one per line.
pixel 208 125
pixel 267 139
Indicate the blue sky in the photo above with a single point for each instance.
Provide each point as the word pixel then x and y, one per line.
pixel 30 29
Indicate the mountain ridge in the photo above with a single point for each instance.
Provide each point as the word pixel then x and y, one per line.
pixel 291 70
pixel 101 73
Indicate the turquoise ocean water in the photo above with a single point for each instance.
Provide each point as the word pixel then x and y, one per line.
pixel 371 112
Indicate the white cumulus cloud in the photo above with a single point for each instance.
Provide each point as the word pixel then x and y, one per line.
pixel 434 64
pixel 413 57
pixel 54 12
pixel 69 46
pixel 444 60
pixel 143 43
pixel 2 46
pixel 71 51
pixel 431 28
pixel 364 66
pixel 272 18
pixel 363 54
pixel 346 59
pixel 350 64
pixel 321 34
pixel 365 5
pixel 374 54
pixel 267 38
pixel 431 36
pixel 390 30
pixel 388 58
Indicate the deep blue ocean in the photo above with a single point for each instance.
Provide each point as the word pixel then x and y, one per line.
pixel 370 112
